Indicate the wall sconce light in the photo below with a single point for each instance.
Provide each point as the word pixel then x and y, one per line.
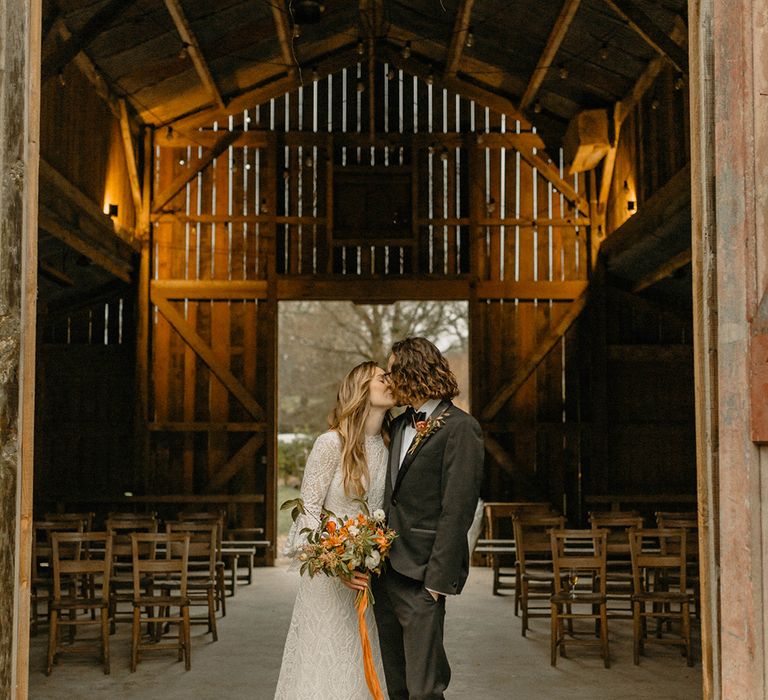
pixel 112 210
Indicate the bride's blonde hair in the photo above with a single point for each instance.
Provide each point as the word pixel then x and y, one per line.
pixel 348 419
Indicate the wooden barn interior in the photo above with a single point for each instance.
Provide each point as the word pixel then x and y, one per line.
pixel 202 162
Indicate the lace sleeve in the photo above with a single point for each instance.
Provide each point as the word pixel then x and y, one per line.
pixel 321 465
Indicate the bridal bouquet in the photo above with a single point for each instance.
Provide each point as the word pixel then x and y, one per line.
pixel 337 547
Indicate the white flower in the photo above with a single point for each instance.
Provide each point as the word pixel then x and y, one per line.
pixel 378 514
pixel 373 560
pixel 353 530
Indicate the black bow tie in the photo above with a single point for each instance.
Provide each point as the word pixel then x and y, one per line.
pixel 413 417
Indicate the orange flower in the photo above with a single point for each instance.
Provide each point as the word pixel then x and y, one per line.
pixel 330 526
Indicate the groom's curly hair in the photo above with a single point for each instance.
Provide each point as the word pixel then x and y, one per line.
pixel 420 371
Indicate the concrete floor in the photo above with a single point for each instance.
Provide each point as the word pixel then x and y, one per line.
pixel 490 659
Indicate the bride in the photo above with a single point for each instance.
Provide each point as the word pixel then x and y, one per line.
pixel 322 657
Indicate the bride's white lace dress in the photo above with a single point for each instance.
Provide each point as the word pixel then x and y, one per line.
pixel 322 658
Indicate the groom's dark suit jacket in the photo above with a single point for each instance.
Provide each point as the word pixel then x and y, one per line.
pixel 431 499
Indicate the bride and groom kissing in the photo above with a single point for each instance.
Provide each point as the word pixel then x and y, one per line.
pixel 424 469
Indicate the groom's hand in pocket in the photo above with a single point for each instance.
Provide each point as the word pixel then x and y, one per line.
pixel 358 582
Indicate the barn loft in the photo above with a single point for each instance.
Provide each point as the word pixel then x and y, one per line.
pixel 175 169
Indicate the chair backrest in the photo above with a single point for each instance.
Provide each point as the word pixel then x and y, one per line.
pixel 203 537
pixel 666 519
pixel 579 553
pixel 499 514
pixel 85 518
pixel 148 560
pixel 121 529
pixel 219 517
pixel 660 554
pixel 81 554
pixel 616 524
pixel 532 536
pixel 42 542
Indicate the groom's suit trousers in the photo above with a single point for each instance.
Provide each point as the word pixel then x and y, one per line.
pixel 410 624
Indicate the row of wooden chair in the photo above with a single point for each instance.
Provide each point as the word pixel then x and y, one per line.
pixel 82 562
pixel 525 562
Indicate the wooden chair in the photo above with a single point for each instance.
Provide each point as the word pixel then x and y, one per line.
pixel 220 519
pixel 41 580
pixel 690 523
pixel 77 556
pixel 659 579
pixel 201 569
pixel 578 555
pixel 619 560
pixel 498 541
pixel 534 563
pixel 120 527
pixel 241 544
pixel 148 563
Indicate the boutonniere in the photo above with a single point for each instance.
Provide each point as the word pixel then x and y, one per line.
pixel 425 428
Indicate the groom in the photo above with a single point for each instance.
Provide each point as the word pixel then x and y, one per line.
pixel 435 473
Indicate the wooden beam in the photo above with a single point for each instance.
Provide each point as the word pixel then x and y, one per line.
pixel 510 465
pixel 54 184
pixel 193 49
pixel 78 240
pixel 458 37
pixel 210 289
pixel 186 176
pixel 284 32
pixel 528 367
pixel 55 275
pixel 150 499
pixel 662 271
pixel 60 57
pixel 546 61
pixel 642 25
pixel 245 456
pixel 130 159
pixel 322 55
pixel 207 355
pixel 206 427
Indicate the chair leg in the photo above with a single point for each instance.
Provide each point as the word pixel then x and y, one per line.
pixel 135 634
pixel 212 615
pixel 53 632
pixel 604 635
pixel 517 590
pixel 524 607
pixel 221 585
pixel 187 645
pixel 553 636
pixel 105 639
pixel 686 625
pixel 636 632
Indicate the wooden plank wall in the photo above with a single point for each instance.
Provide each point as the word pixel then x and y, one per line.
pixel 654 144
pixel 80 138
pixel 274 187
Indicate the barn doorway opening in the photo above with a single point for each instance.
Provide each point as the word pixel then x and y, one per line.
pixel 320 341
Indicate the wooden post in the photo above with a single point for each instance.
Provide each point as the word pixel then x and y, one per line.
pixel 20 25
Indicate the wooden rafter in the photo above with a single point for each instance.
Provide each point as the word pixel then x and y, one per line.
pixel 208 356
pixel 221 145
pixel 245 456
pixel 58 59
pixel 528 367
pixel 458 37
pixel 284 36
pixel 662 271
pixel 642 25
pixel 130 159
pixel 193 49
pixel 556 37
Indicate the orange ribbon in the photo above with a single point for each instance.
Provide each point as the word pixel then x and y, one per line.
pixel 370 671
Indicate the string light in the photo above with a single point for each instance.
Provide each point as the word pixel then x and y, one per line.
pixel 360 86
pixel 603 52
pixel 296 31
pixel 563 72
pixel 537 107
pixel 470 41
pixel 406 52
pixel 430 77
pixel 360 48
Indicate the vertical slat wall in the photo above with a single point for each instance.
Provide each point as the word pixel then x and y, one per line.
pixel 263 210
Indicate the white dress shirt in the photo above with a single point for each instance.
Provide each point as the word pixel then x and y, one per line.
pixel 410 432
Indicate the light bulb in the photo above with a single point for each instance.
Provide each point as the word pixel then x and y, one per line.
pixel 406 52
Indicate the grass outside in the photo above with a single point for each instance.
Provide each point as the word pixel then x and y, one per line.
pixel 284 521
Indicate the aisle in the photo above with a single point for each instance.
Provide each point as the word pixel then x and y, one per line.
pixel 490 659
